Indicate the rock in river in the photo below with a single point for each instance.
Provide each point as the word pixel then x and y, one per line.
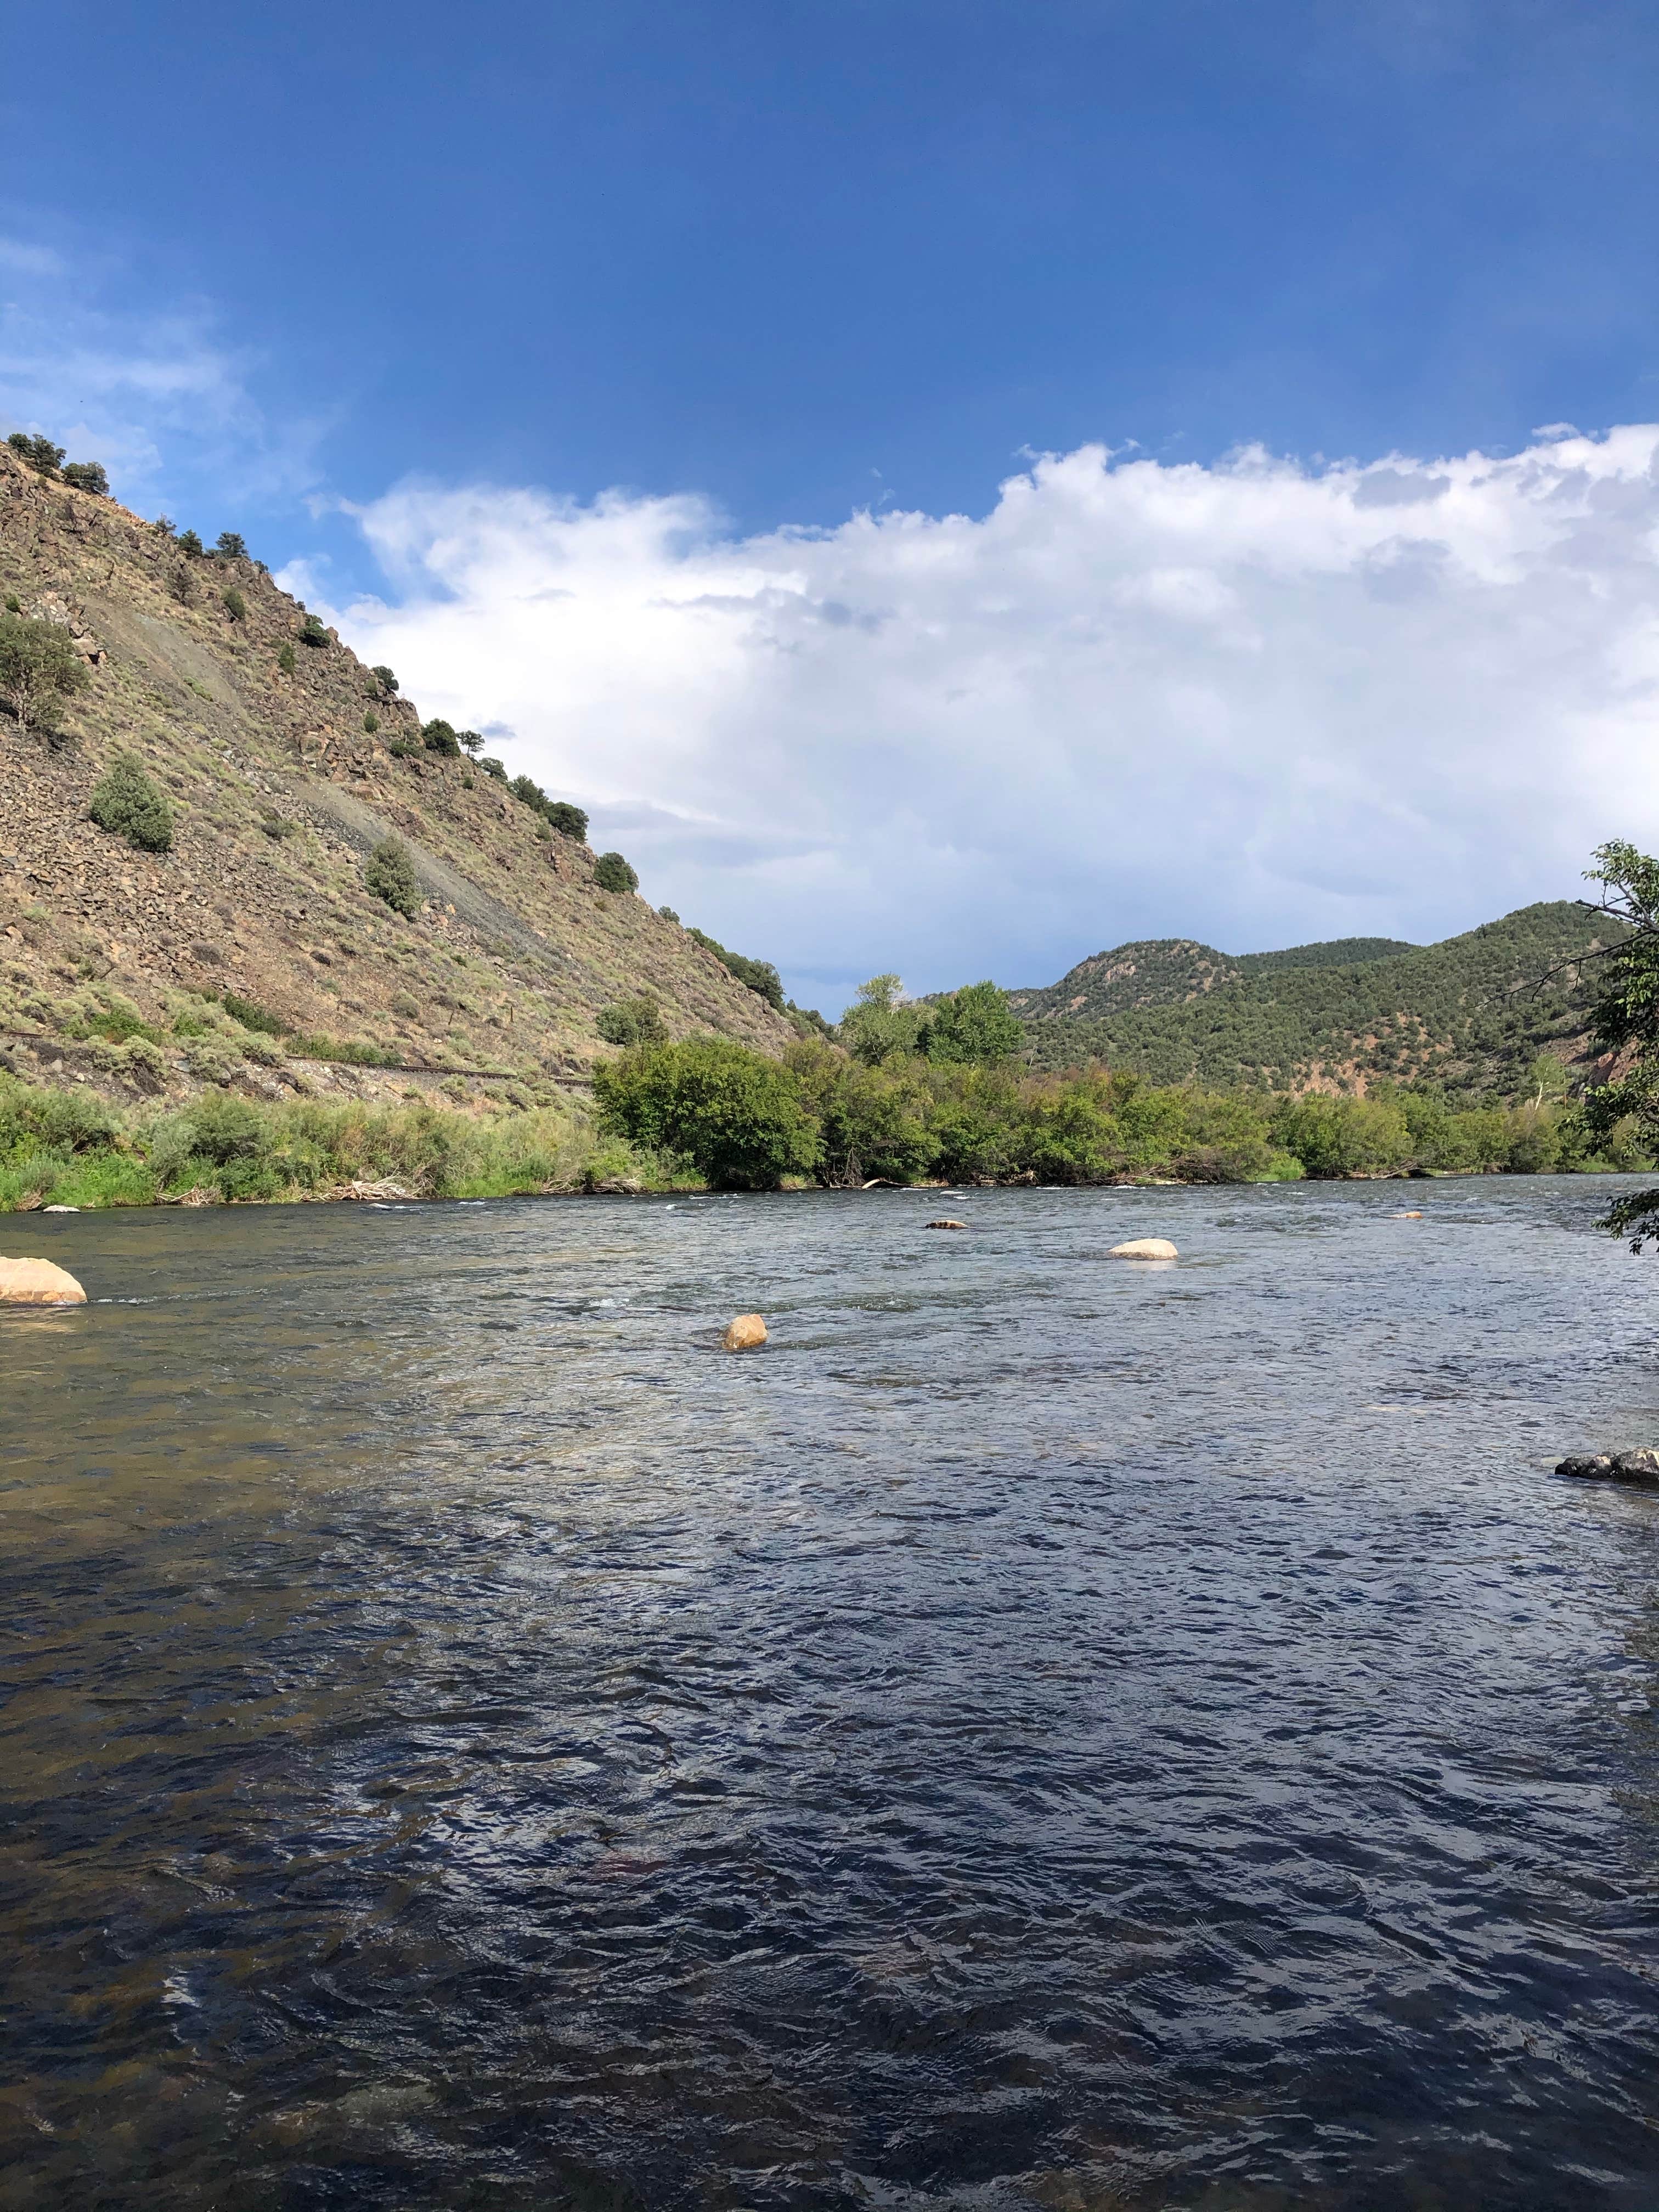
pixel 746 1333
pixel 37 1283
pixel 1145 1248
pixel 1640 1467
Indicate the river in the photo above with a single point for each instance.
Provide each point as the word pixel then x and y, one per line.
pixel 1045 1732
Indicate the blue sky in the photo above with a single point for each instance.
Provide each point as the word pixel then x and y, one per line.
pixel 789 263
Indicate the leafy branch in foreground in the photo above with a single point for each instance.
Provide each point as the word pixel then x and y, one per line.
pixel 1625 1019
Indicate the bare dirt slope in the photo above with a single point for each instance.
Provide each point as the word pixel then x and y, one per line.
pixel 280 793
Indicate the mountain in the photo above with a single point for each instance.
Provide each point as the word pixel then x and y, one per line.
pixel 286 763
pixel 1472 1012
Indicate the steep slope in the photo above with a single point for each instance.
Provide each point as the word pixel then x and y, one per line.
pixel 280 790
pixel 1472 1012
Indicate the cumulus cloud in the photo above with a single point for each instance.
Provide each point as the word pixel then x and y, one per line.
pixel 1255 702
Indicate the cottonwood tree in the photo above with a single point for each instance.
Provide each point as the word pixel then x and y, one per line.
pixel 1626 1020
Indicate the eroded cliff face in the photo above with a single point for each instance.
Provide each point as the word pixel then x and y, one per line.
pixel 279 793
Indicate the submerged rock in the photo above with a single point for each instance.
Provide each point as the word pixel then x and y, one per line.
pixel 1638 1467
pixel 945 1222
pixel 745 1332
pixel 37 1283
pixel 1145 1248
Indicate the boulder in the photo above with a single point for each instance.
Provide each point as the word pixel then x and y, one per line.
pixel 945 1222
pixel 37 1283
pixel 745 1332
pixel 1145 1248
pixel 1638 1467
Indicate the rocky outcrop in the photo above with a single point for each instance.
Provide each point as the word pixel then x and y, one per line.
pixel 37 1283
pixel 1640 1467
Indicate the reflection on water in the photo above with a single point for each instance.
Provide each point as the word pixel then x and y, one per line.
pixel 1047 1732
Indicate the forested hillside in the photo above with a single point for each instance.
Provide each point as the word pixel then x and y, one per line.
pixel 1471 1013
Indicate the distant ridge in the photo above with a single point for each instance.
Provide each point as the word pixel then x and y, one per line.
pixel 1472 1012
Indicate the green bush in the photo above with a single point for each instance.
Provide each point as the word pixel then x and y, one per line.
pixel 737 1116
pixel 612 873
pixel 285 658
pixel 438 737
pixel 38 667
pixel 492 767
pixel 760 975
pixel 130 804
pixel 383 676
pixel 88 476
pixel 230 546
pixel 253 1016
pixel 390 875
pixel 311 633
pixel 371 721
pixel 632 1022
pixel 189 544
pixel 235 605
pixel 668 913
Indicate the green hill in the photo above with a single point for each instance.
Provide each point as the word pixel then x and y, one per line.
pixel 1472 1012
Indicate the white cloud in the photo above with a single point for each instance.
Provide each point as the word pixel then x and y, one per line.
pixel 1252 701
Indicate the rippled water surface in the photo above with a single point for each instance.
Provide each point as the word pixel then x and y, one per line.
pixel 1048 1732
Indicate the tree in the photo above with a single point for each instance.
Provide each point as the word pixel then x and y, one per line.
pixel 1625 1019
pixel 387 681
pixel 231 546
pixel 438 737
pixel 88 476
pixel 235 604
pixel 311 632
pixel 189 544
pixel 285 658
pixel 471 741
pixel 390 875
pixel 569 820
pixel 38 667
pixel 737 1116
pixel 42 456
pixel 974 1027
pixel 129 803
pixel 881 1023
pixel 612 873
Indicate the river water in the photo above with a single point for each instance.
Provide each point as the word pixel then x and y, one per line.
pixel 1047 1732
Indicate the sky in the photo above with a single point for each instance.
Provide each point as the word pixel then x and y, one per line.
pixel 949 487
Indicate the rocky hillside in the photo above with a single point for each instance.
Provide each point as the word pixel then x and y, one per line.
pixel 1472 1012
pixel 253 950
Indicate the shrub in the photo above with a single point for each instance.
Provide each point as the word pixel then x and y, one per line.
pixel 760 975
pixel 390 875
pixel 371 721
pixel 130 803
pixel 386 680
pixel 14 604
pixel 38 667
pixel 493 767
pixel 230 546
pixel 570 822
pixel 190 544
pixel 42 456
pixel 235 604
pixel 180 587
pixel 285 659
pixel 438 737
pixel 667 913
pixel 311 632
pixel 632 1022
pixel 253 1016
pixel 276 826
pixel 739 1117
pixel 612 873
pixel 88 476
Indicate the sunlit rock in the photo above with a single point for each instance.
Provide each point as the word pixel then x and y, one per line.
pixel 37 1283
pixel 746 1333
pixel 1145 1248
